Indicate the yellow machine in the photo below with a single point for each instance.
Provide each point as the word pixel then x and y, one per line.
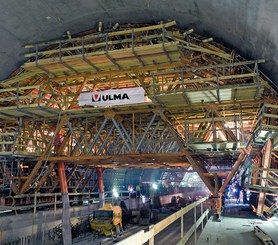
pixel 106 220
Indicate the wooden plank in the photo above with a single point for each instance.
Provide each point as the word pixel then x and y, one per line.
pixel 19 88
pixel 265 126
pixel 92 46
pixel 271 105
pixel 6 142
pixel 7 134
pixel 142 50
pixel 8 99
pixel 111 34
pixel 270 115
pixel 265 169
pixel 21 77
pixel 267 178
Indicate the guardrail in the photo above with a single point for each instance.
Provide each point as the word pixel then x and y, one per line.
pixel 143 236
pixel 39 200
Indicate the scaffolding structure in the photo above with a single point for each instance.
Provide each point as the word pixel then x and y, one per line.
pixel 205 106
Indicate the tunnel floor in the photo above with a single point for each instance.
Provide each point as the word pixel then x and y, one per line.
pixel 237 227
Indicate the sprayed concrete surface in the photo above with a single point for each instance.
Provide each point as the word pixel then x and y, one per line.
pixel 249 27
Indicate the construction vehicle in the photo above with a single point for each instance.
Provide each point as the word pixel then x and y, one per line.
pixel 107 220
pixel 141 212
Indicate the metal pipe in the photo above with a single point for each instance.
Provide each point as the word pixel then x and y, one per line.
pixel 66 227
pixel 62 177
pixel 101 187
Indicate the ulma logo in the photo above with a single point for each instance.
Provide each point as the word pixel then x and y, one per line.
pixel 109 97
pixel 96 97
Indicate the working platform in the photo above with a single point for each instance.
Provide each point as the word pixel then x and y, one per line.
pixel 237 226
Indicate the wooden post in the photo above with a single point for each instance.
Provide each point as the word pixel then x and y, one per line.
pixel 202 210
pixel 195 227
pixel 265 164
pixel 151 241
pixel 182 232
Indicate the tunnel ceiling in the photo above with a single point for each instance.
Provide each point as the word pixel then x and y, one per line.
pixel 249 27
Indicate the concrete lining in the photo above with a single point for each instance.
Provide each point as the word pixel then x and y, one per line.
pixel 249 27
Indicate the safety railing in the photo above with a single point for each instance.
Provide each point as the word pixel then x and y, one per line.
pixel 214 130
pixel 221 76
pixel 22 98
pixel 270 178
pixel 28 95
pixel 7 141
pixel 12 142
pixel 143 236
pixel 118 39
pixel 267 118
pixel 18 95
pixel 54 200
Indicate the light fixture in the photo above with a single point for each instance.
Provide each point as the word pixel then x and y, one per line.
pixel 154 186
pixel 115 193
pixel 143 199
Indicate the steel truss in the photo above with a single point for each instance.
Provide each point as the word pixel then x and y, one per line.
pixel 203 107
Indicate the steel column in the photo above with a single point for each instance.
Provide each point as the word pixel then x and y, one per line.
pixel 66 228
pixel 101 187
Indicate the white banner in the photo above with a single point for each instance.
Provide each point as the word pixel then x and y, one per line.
pixel 112 97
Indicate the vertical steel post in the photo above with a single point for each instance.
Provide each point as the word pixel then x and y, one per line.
pixel 101 187
pixel 236 132
pixel 55 203
pixel 89 203
pixel 35 203
pixel 66 228
pixel 214 132
pixel 133 132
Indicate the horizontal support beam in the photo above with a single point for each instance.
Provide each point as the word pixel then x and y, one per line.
pixel 156 160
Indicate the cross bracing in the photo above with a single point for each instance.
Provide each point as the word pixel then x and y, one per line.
pixel 203 103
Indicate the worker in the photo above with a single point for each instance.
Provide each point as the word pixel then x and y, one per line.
pixel 138 190
pixel 244 196
pixel 174 204
pixel 237 192
pixel 174 200
pixel 181 202
pixel 130 188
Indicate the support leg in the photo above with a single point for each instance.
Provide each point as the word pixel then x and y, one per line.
pixel 66 228
pixel 101 187
pixel 266 165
